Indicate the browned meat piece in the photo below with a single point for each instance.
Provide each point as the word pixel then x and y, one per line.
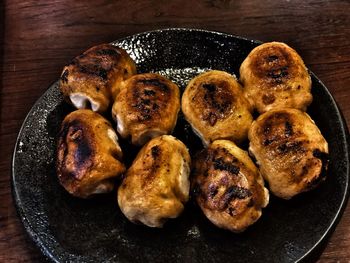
pixel 228 187
pixel 274 76
pixel 146 107
pixel 93 79
pixel 214 105
pixel 291 151
pixel 88 154
pixel 156 186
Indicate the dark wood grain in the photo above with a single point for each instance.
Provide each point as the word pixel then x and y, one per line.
pixel 39 37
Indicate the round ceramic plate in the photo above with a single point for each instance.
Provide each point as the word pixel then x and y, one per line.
pixel 70 229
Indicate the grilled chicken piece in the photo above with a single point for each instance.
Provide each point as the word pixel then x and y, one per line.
pixel 274 76
pixel 146 107
pixel 93 79
pixel 214 105
pixel 156 186
pixel 228 187
pixel 291 151
pixel 88 154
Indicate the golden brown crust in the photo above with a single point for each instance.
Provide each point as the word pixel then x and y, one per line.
pixel 156 185
pixel 291 151
pixel 88 156
pixel 213 103
pixel 146 107
pixel 274 76
pixel 228 186
pixel 97 74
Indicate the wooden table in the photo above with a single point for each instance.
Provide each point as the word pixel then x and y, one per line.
pixel 39 37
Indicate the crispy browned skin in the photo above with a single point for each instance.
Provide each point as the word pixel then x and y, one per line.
pixel 146 107
pixel 228 186
pixel 214 105
pixel 156 186
pixel 93 79
pixel 291 151
pixel 274 76
pixel 88 154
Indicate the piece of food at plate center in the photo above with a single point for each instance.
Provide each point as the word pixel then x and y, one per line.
pixel 88 154
pixel 274 76
pixel 93 79
pixel 146 107
pixel 214 105
pixel 156 186
pixel 228 187
pixel 290 150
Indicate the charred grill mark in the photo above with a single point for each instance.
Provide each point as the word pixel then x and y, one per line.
pixel 149 92
pixel 64 76
pixel 91 64
pixel 218 101
pixel 268 99
pixel 220 164
pixel 271 58
pixel 267 142
pixel 155 151
pixel 83 153
pixel 148 101
pixel 212 190
pixel 231 211
pixel 155 106
pixel 288 131
pixel 155 83
pixel 273 64
pixel 83 150
pixel 235 192
pixel 209 87
pixel 212 119
pixel 144 117
pixel 267 127
pixel 97 62
pixel 76 150
pixel 151 162
pixel 290 147
pixel 145 101
pixel 95 70
pixel 144 106
pixel 278 74
pixel 270 128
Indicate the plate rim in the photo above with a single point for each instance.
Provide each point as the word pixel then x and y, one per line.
pixel 343 125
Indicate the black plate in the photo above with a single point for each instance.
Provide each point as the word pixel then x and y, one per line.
pixel 69 229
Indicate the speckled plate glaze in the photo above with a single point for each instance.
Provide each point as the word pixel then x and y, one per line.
pixel 68 229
